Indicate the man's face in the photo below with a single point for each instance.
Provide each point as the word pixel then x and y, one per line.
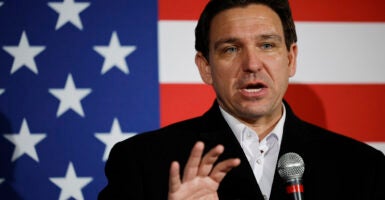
pixel 249 65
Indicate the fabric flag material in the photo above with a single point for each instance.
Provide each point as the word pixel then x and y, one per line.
pixel 77 76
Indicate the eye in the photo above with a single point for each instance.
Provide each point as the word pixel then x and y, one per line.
pixel 267 46
pixel 231 49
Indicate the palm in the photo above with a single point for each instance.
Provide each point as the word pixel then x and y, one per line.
pixel 198 188
pixel 201 178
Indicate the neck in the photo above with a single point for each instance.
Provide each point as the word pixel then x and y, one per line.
pixel 263 126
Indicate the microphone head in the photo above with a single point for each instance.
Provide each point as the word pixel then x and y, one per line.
pixel 291 166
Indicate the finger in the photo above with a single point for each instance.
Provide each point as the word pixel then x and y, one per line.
pixel 174 179
pixel 221 169
pixel 209 159
pixel 191 168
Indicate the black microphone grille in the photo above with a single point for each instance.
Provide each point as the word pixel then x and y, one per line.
pixel 291 166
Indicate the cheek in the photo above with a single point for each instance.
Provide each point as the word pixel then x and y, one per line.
pixel 279 65
pixel 224 79
pixel 220 79
pixel 279 72
pixel 224 70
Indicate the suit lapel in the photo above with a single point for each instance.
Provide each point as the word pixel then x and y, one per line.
pixel 293 140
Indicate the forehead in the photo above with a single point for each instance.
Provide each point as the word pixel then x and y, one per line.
pixel 240 21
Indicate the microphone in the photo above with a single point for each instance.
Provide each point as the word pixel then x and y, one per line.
pixel 291 168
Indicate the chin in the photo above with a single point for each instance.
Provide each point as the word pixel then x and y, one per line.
pixel 256 109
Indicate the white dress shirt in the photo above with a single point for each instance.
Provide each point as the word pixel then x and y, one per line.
pixel 262 155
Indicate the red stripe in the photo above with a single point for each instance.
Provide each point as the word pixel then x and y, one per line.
pixel 183 101
pixel 303 10
pixel 354 110
pixel 294 188
pixel 180 10
pixel 339 10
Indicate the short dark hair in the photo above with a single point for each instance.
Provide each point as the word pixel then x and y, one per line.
pixel 202 30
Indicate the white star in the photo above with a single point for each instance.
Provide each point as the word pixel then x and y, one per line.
pixel 1 179
pixel 25 142
pixel 111 138
pixel 24 55
pixel 69 11
pixel 1 3
pixel 1 91
pixel 114 55
pixel 71 185
pixel 70 97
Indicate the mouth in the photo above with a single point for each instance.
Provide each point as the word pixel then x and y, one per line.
pixel 253 89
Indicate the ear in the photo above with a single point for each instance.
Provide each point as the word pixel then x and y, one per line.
pixel 292 56
pixel 204 68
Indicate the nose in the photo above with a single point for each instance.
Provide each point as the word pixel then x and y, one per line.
pixel 251 60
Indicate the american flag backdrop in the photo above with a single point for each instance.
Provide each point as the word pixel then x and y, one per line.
pixel 76 76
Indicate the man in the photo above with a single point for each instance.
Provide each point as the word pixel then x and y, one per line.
pixel 246 49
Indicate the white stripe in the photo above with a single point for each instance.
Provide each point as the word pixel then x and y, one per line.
pixel 378 145
pixel 328 52
pixel 177 52
pixel 341 53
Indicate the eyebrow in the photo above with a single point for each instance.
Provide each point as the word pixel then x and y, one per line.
pixel 259 37
pixel 224 41
pixel 270 36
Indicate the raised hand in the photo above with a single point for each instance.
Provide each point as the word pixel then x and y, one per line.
pixel 201 178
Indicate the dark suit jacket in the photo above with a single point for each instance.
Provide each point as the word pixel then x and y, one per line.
pixel 336 167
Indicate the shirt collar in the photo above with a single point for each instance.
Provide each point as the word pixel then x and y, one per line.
pixel 239 128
